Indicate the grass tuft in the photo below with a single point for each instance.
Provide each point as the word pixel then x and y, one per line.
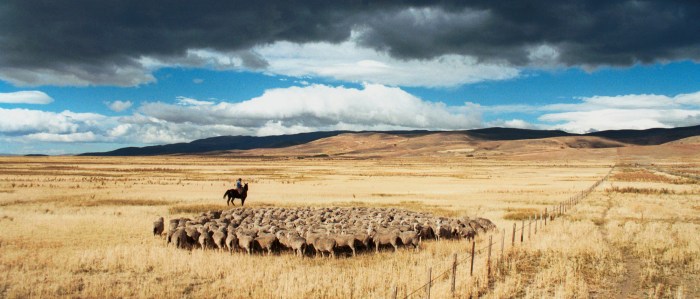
pixel 644 175
pixel 122 202
pixel 636 190
pixel 194 208
pixel 519 214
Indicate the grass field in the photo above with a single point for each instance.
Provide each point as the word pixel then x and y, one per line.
pixel 80 227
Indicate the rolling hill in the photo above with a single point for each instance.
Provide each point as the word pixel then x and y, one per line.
pixel 506 140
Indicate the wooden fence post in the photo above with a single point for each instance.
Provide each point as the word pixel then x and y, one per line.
pixel 522 232
pixel 545 216
pixel 488 262
pixel 529 227
pixel 454 274
pixel 554 213
pixel 430 278
pixel 395 292
pixel 471 267
pixel 535 232
pixel 512 241
pixel 503 242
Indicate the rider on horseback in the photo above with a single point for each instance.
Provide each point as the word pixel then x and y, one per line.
pixel 239 186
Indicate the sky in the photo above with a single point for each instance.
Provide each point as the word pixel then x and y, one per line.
pixel 83 76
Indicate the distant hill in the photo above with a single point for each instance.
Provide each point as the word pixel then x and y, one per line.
pixel 649 136
pixel 514 134
pixel 228 143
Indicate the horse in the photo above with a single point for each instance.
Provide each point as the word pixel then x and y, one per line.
pixel 233 194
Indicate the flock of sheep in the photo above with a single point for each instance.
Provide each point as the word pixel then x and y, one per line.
pixel 314 230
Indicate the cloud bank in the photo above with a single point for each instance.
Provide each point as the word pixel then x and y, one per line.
pixel 120 42
pixel 641 111
pixel 119 106
pixel 323 108
pixel 25 97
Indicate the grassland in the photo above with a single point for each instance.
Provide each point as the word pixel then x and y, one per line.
pixel 80 227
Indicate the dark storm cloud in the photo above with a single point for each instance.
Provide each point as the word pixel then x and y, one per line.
pixel 100 42
pixel 587 33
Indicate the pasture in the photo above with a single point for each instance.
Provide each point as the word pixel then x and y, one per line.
pixel 81 226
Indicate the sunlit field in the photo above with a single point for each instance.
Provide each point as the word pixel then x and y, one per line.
pixel 81 227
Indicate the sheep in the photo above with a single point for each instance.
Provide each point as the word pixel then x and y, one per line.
pixel 307 229
pixel 180 239
pixel 466 232
pixel 362 238
pixel 205 239
pixel 443 231
pixel 173 223
pixel 266 242
pixel 410 238
pixel 231 241
pixel 426 232
pixel 476 226
pixel 298 244
pixel 385 238
pixel 158 226
pixel 219 238
pixel 169 237
pixel 245 242
pixel 486 224
pixel 325 244
pixel 345 241
pixel 192 234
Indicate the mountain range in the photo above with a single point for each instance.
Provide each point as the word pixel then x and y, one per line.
pixel 480 137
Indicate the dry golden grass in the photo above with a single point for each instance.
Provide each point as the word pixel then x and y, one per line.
pixel 80 227
pixel 637 190
pixel 519 214
pixel 644 175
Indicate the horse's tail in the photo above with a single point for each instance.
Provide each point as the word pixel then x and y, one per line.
pixel 226 193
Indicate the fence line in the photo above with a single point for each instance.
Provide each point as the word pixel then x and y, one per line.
pixel 672 172
pixel 555 212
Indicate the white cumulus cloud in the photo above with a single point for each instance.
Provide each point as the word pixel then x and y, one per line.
pixel 320 107
pixel 119 106
pixel 347 61
pixel 632 111
pixel 70 137
pixel 25 97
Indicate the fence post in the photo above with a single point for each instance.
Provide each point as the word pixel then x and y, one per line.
pixel 471 267
pixel 529 227
pixel 554 213
pixel 395 292
pixel 503 242
pixel 430 278
pixel 537 219
pixel 512 241
pixel 545 216
pixel 488 262
pixel 454 274
pixel 522 232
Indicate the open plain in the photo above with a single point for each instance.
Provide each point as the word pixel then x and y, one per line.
pixel 81 226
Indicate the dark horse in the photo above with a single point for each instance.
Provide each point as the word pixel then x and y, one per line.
pixel 233 194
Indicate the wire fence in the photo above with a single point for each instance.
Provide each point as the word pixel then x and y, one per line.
pixel 540 220
pixel 672 172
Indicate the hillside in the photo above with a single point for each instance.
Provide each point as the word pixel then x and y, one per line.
pixel 400 143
